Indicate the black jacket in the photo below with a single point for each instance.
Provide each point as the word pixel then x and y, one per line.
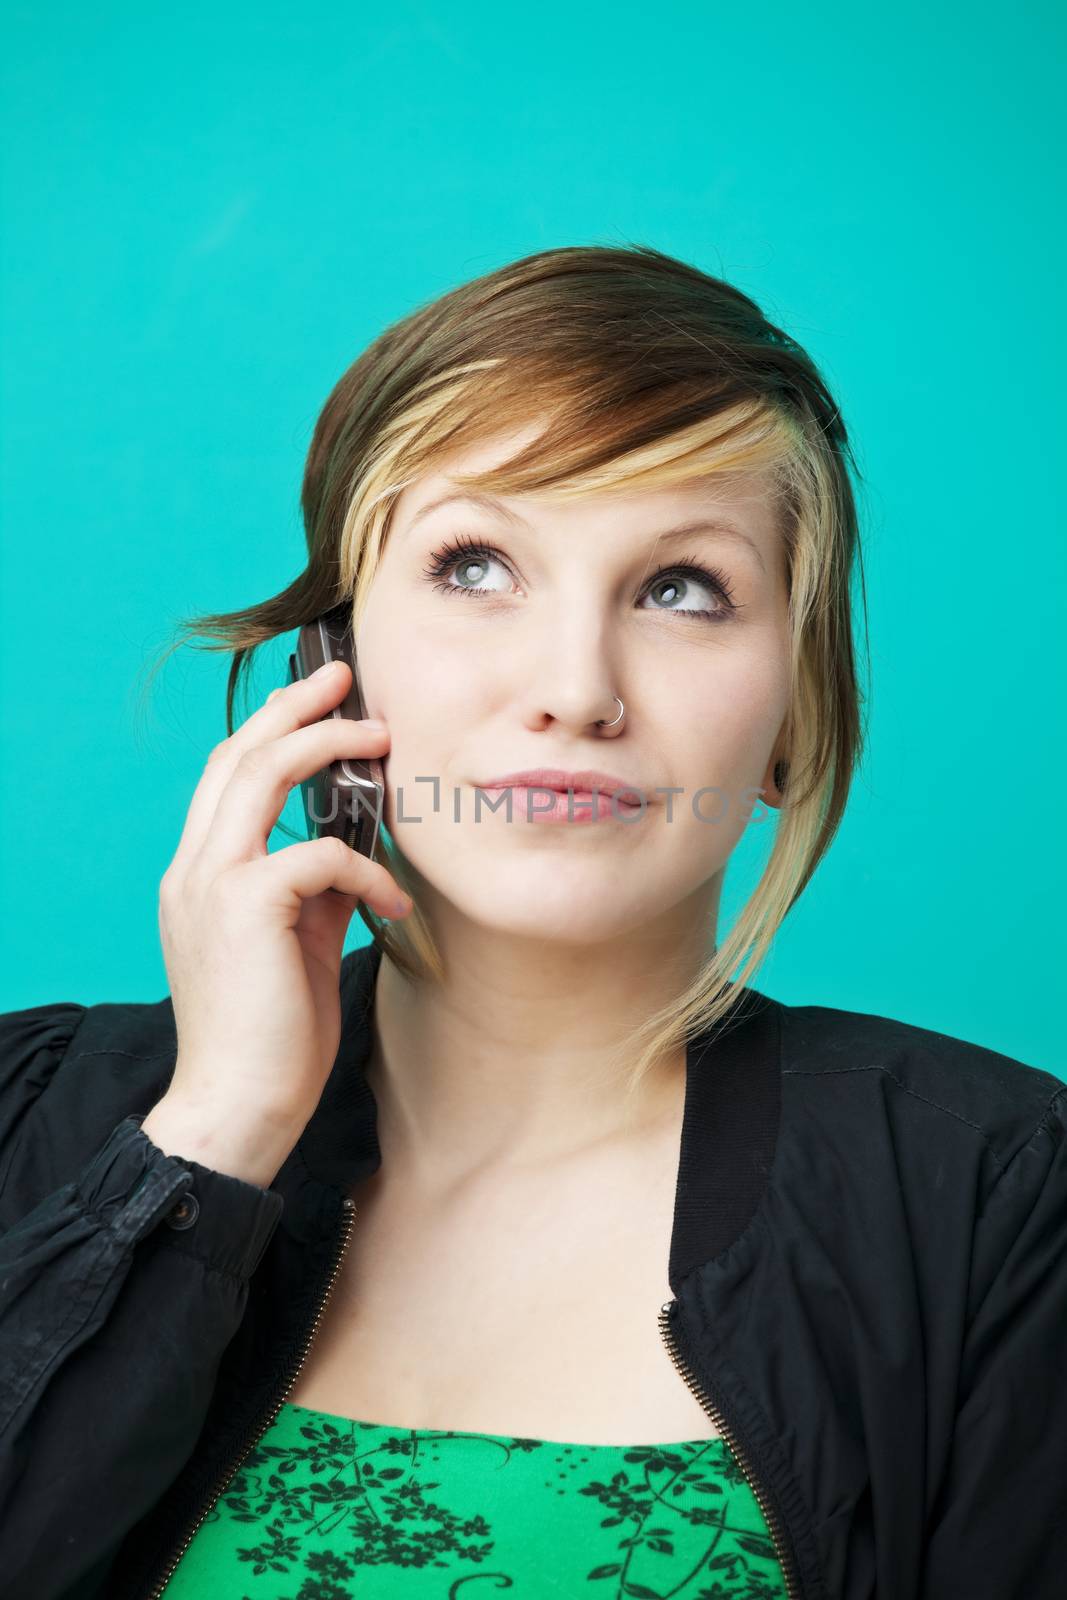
pixel 868 1264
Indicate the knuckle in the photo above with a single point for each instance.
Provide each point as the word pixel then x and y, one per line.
pixel 223 890
pixel 168 887
pixel 253 763
pixel 339 850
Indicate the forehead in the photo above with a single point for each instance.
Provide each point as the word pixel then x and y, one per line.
pixel 747 499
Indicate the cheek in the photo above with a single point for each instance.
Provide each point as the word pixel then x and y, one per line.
pixel 407 670
pixel 733 714
pixel 427 696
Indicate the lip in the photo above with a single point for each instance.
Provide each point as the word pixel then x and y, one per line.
pixel 582 781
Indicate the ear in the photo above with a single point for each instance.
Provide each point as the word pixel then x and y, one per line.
pixel 774 781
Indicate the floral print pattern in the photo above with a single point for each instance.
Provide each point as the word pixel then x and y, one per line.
pixel 327 1508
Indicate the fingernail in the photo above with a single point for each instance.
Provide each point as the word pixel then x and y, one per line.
pixel 320 672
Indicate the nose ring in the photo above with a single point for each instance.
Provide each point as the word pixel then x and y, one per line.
pixel 613 724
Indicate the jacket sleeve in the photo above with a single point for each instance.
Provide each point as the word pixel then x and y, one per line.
pixel 999 1524
pixel 119 1292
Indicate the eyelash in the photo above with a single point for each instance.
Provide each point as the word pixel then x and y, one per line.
pixel 448 555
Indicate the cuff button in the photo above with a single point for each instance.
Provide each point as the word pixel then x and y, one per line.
pixel 184 1213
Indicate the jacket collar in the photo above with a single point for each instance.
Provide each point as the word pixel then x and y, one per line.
pixel 729 1124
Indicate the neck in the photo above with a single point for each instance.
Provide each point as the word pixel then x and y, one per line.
pixel 519 1058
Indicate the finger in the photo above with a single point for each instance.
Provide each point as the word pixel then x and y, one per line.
pixel 291 876
pixel 291 706
pixel 259 785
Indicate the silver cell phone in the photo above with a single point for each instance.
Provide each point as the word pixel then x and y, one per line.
pixel 346 798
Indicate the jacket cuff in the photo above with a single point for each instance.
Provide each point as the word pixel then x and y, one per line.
pixel 134 1188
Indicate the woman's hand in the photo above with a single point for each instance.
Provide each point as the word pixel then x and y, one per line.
pixel 253 941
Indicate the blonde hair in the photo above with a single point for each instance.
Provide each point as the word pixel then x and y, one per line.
pixel 648 373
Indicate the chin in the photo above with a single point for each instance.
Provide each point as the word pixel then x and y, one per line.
pixel 570 903
pixel 583 927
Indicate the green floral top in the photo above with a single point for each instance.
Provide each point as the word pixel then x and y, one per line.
pixel 325 1508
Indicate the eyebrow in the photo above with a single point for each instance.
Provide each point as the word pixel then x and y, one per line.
pixel 489 502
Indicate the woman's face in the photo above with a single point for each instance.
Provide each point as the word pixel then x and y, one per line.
pixel 500 657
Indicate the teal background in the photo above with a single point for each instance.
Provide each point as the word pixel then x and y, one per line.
pixel 208 214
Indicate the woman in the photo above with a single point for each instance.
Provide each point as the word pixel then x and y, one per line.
pixel 531 1243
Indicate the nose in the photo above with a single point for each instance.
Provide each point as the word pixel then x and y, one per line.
pixel 574 682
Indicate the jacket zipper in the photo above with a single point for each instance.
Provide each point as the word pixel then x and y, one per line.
pixel 669 1338
pixel 771 1518
pixel 224 1478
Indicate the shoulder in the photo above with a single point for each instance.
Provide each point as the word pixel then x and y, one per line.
pixel 68 1029
pixel 962 1147
pixel 70 1071
pixel 864 1056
